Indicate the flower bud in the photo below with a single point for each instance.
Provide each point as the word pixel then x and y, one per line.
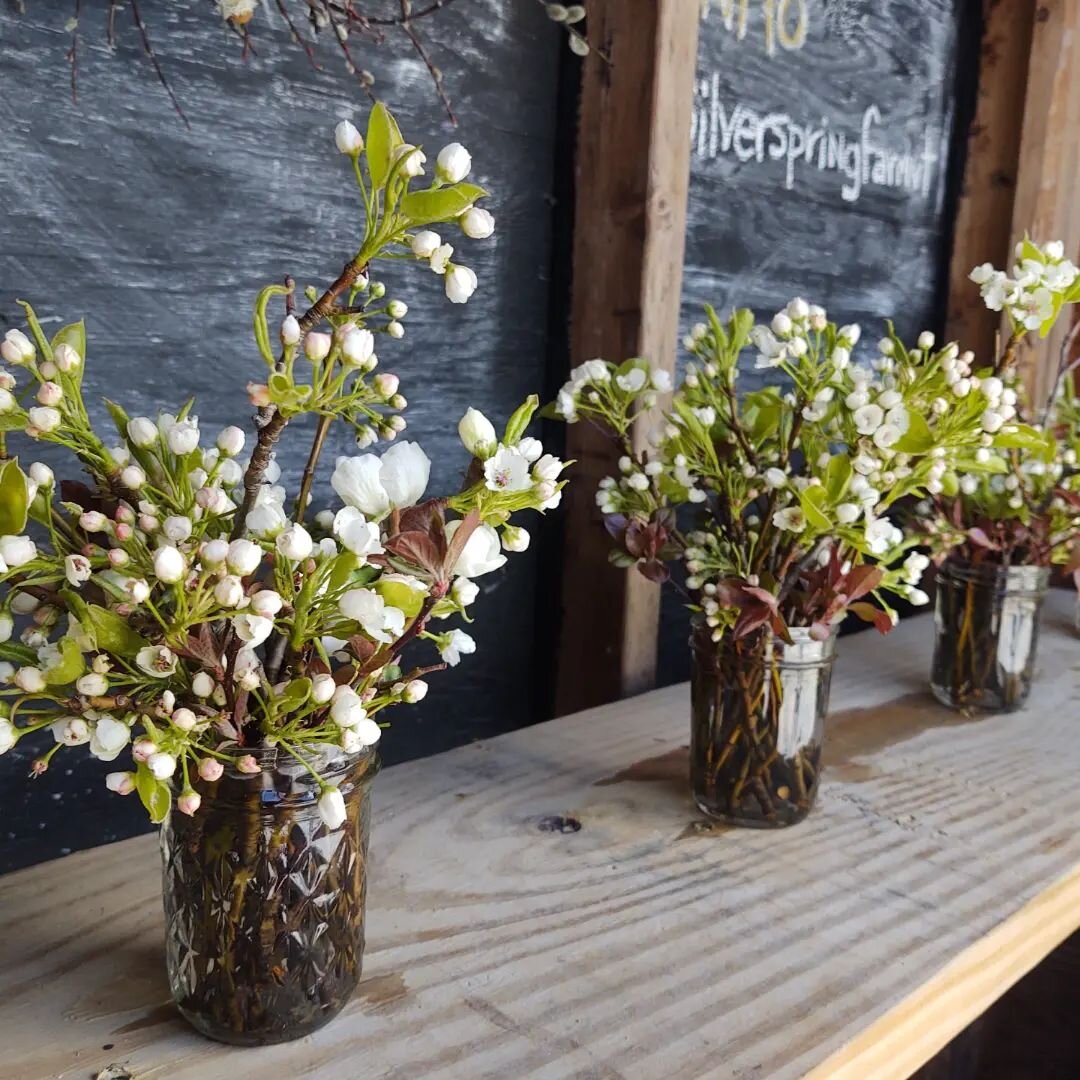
pixel 184 719
pixel 412 160
pixel 347 139
pixel 322 688
pixel 357 347
pixel 169 565
pixel 290 330
pixel 123 783
pixel 258 394
pixel 7 400
pixel 395 329
pixel 17 348
pixel 926 340
pixel 132 477
pixel 66 358
pixel 138 590
pixel 459 283
pixel 142 432
pixel 177 528
pixel 50 393
pixel 414 691
pixel 317 346
pixel 230 441
pixel 247 764
pixel 92 685
pixel 477 434
pixel 214 552
pixel 42 475
pixel 142 749
pixel 183 436
pixel 386 384
pixel 244 557
pixel 332 807
pixel 515 538
pixel 453 163
pixel 31 680
pixel 425 243
pixel 397 309
pixel 162 765
pixel 476 223
pixel 7 626
pixel 44 419
pixel 189 802
pixel 117 556
pixel 93 521
pixel 294 543
pixel 211 770
pixel 267 603
pixel 229 592
pixel 202 684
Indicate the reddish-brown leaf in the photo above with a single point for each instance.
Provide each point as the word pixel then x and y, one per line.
pixel 873 615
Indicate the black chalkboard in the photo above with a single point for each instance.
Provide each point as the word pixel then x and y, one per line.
pixel 160 236
pixel 823 164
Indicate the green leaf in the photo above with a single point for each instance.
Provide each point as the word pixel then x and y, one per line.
pixel 119 417
pixel 14 504
pixel 918 438
pixel 293 696
pixel 1048 323
pixel 13 421
pixel 35 330
pixel 814 501
pixel 258 322
pixel 741 323
pixel 402 596
pixel 1028 250
pixel 383 138
pixel 1024 437
pixel 22 655
pixel 70 667
pixel 442 204
pixel 111 632
pixel 154 793
pixel 837 476
pixel 520 420
pixel 283 393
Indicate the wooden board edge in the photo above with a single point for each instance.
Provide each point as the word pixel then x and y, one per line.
pixel 912 1032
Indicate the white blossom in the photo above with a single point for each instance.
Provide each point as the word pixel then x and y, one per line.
pixel 294 543
pixel 156 660
pixel 77 569
pixel 460 283
pixel 374 485
pixel 332 807
pixel 377 619
pixel 169 565
pixel 477 434
pixel 356 533
pixel 453 163
pixel 347 139
pixel 17 550
pixel 481 554
pixel 109 737
pixel 243 557
pixel 508 471
pixel 455 645
pixel 476 223
pixel 425 243
pixel 253 629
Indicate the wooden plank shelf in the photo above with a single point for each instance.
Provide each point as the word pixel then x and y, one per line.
pixel 546 904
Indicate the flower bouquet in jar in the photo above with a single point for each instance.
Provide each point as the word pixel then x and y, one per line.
pixel 778 503
pixel 178 616
pixel 1013 512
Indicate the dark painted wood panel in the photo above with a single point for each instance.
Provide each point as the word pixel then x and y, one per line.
pixel 161 236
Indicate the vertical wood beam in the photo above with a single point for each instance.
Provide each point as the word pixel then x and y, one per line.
pixel 984 213
pixel 632 179
pixel 1047 203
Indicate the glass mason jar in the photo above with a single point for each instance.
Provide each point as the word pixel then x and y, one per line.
pixel 758 720
pixel 987 628
pixel 264 905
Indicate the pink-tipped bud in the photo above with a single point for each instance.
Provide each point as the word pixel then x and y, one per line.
pixel 122 783
pixel 124 532
pixel 386 384
pixel 189 802
pixel 258 394
pixel 141 749
pixel 49 393
pixel 125 514
pixel 317 346
pixel 211 770
pixel 248 764
pixel 118 557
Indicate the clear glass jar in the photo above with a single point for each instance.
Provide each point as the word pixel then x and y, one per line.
pixel 264 905
pixel 758 720
pixel 987 629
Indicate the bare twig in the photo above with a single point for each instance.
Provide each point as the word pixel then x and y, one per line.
pixel 400 20
pixel 309 468
pixel 295 34
pixel 418 45
pixel 73 54
pixel 110 25
pixel 136 14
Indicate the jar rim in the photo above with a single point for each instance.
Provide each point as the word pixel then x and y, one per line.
pixel 1013 578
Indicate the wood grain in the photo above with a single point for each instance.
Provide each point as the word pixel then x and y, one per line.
pixel 162 236
pixel 984 212
pixel 941 862
pixel 1046 198
pixel 630 226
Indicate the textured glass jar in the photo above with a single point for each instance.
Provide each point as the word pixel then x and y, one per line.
pixel 758 719
pixel 987 630
pixel 264 905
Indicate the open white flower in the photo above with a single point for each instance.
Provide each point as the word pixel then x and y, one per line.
pixel 482 552
pixel 508 470
pixel 374 485
pixel 378 620
pixel 347 710
pixel 868 418
pixel 254 629
pixel 156 660
pixel 77 569
pixel 790 518
pixel 109 737
pixel 17 550
pixel 356 533
pixel 455 645
pixel 881 535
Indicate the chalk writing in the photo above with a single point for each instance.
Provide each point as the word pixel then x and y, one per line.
pixel 784 22
pixel 866 157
